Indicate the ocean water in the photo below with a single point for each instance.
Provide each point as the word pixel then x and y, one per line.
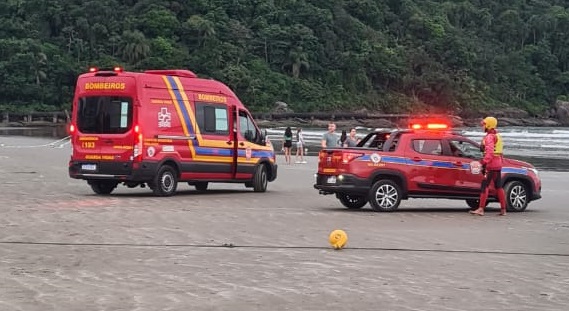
pixel 544 147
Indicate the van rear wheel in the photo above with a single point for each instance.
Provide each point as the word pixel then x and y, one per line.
pixel 165 182
pixel 103 187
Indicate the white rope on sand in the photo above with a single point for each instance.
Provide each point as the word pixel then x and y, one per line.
pixel 55 144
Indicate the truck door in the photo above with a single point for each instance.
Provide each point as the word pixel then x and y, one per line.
pixel 463 153
pixel 428 171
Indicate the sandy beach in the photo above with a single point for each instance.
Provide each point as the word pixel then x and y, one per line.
pixel 65 248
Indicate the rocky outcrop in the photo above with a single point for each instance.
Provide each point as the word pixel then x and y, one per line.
pixel 281 107
pixel 507 116
pixel 562 112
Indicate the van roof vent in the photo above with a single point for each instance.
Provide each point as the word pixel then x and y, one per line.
pixel 173 72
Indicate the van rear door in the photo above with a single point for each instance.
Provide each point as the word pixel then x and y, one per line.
pixel 105 131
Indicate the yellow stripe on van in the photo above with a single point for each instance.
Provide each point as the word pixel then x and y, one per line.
pixel 180 115
pixel 201 141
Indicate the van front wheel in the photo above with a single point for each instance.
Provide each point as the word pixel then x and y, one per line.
pixel 165 182
pixel 260 179
pixel 103 186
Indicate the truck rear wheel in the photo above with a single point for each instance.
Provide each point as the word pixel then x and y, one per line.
pixel 385 196
pixel 103 186
pixel 165 182
pixel 201 186
pixel 352 201
pixel 260 179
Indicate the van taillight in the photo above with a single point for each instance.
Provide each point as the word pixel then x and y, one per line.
pixel 137 148
pixel 71 129
pixel 349 156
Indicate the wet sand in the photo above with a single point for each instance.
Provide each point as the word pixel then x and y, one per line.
pixel 64 248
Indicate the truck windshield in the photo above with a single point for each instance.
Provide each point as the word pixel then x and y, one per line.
pixel 104 114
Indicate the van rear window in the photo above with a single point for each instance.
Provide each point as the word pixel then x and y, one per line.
pixel 104 114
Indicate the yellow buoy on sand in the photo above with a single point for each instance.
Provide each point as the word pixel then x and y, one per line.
pixel 338 239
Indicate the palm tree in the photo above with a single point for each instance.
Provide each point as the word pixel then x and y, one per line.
pixel 134 46
pixel 40 61
pixel 204 27
pixel 297 59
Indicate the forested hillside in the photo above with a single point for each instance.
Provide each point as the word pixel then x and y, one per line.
pixel 384 55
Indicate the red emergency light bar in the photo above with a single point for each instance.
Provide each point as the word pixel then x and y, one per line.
pixel 429 126
pixel 429 123
pixel 115 69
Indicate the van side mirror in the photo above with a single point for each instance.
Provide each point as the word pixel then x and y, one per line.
pixel 263 138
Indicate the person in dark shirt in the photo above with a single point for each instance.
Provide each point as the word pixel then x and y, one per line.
pixel 287 144
pixel 352 140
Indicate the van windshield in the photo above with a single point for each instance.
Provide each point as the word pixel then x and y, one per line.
pixel 104 114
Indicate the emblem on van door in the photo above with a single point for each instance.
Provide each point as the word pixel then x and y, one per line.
pixel 248 153
pixel 164 118
pixel 151 152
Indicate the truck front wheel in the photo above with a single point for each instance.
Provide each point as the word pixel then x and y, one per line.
pixel 517 196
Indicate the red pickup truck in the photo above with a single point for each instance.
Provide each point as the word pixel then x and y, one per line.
pixel 422 162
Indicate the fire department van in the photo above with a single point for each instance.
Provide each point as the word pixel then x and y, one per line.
pixel 160 127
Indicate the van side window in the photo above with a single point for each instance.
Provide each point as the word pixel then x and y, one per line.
pixel 212 119
pixel 247 127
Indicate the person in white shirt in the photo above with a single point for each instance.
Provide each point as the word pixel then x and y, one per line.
pixel 299 146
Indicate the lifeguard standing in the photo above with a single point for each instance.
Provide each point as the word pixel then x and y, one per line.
pixel 492 146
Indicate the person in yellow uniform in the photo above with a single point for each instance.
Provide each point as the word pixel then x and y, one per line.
pixel 492 146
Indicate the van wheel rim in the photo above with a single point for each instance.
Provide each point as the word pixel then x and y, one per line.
pixel 264 179
pixel 167 182
pixel 518 197
pixel 386 196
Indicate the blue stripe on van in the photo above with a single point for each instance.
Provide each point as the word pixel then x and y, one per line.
pixel 229 152
pixel 213 151
pixel 180 102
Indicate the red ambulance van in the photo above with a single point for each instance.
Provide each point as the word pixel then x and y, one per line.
pixel 161 127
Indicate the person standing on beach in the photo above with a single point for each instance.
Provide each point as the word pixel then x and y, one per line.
pixel 352 140
pixel 330 139
pixel 343 138
pixel 492 146
pixel 299 146
pixel 287 144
